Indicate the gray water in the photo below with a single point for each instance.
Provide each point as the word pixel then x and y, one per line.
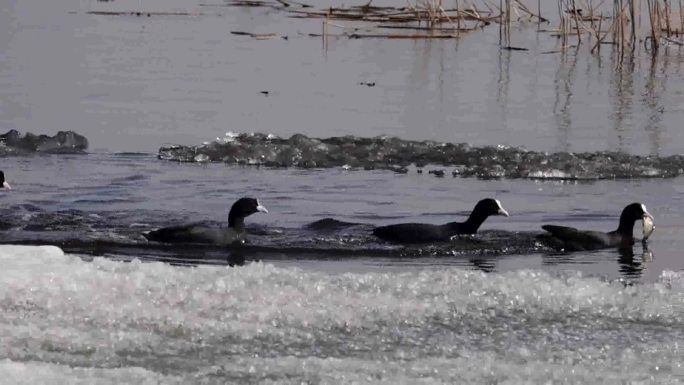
pixel 131 84
pixel 186 79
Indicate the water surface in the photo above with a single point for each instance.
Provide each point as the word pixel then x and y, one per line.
pixel 338 306
pixel 187 79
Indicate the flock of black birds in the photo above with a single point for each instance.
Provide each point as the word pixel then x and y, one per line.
pixel 558 237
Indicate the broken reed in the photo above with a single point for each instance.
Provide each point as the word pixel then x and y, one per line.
pixel 577 18
pixel 506 7
pixel 420 15
pixel 625 27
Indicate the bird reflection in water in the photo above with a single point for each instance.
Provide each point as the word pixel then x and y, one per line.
pixel 632 264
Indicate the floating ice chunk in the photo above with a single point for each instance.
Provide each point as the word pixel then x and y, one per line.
pixel 201 158
pixel 651 172
pixel 27 251
pixel 550 174
pixel 229 137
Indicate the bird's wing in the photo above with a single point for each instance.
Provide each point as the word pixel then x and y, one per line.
pixel 579 239
pixel 410 233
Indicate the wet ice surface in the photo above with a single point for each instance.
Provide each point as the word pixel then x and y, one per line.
pixel 256 149
pixel 63 142
pixel 107 322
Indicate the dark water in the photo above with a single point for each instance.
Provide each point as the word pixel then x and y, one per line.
pixel 114 198
pixel 336 305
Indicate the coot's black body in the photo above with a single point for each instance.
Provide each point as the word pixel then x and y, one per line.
pixel 424 232
pixel 572 239
pixel 195 233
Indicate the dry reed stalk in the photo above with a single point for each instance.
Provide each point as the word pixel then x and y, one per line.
pixel 446 16
pixel 599 39
pixel 401 36
pixel 517 12
pixel 615 21
pixel 658 17
pixel 681 18
pixel 140 14
pixel 507 22
pixel 563 34
pixel 623 21
pixel 445 30
pixel 475 14
pixel 524 8
pixel 651 16
pixel 632 13
pixel 577 26
pixel 458 12
pixel 561 22
pixel 501 23
pixel 591 14
pixel 565 29
pixel 618 25
pixel 667 18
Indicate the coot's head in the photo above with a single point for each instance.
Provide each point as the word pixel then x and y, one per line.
pixel 489 206
pixel 245 207
pixel 635 212
pixel 3 182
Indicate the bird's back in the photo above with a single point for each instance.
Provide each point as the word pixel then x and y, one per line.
pixel 194 234
pixel 411 233
pixel 571 238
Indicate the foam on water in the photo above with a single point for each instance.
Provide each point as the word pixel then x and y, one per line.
pixel 107 321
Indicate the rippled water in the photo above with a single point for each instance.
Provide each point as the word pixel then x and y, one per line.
pixel 324 305
pixel 116 197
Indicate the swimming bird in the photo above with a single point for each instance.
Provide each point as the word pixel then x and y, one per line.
pixel 572 239
pixel 196 233
pixel 3 182
pixel 423 232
